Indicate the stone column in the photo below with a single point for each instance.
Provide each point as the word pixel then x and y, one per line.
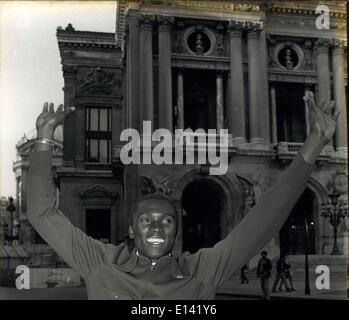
pixel 146 97
pixel 180 100
pixel 264 88
pixel 323 69
pixel 69 74
pixel 323 75
pixel 273 115
pixel 165 75
pixel 339 94
pixel 132 56
pixel 254 79
pixel 79 136
pixel 236 110
pixel 219 101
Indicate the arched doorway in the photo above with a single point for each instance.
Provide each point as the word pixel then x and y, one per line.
pixel 292 234
pixel 202 203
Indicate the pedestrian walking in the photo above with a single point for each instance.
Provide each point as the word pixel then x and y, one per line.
pixel 280 275
pixel 243 274
pixel 288 275
pixel 264 273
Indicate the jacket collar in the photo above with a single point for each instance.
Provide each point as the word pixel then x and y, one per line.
pixel 127 261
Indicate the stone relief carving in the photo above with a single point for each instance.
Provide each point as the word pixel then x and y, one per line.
pixel 249 194
pixel 156 185
pixel 220 44
pixel 100 82
pixel 98 191
pixel 308 64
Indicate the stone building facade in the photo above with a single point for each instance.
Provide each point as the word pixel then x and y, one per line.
pixel 202 64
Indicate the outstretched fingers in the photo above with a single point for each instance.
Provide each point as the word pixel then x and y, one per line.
pixel 62 114
pixel 45 108
pixel 60 108
pixel 309 100
pixel 329 108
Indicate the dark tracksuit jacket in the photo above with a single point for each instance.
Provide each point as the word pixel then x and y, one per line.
pixel 113 272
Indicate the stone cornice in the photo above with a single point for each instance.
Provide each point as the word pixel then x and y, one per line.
pixel 85 39
pixel 306 8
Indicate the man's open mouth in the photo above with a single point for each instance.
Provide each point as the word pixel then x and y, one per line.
pixel 155 240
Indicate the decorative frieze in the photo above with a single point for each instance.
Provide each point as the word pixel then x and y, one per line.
pixel 216 5
pixel 100 82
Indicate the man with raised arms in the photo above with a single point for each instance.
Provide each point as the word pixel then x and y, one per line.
pixel 152 270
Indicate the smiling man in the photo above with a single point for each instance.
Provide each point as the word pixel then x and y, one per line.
pixel 152 270
pixel 154 226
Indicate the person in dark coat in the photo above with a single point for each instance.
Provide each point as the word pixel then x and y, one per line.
pixel 243 274
pixel 280 275
pixel 264 273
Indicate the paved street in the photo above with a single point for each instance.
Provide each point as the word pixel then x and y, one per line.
pixel 232 290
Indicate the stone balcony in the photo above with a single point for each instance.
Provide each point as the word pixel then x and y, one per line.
pixel 287 150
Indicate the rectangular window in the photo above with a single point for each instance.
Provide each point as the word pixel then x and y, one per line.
pixel 98 135
pixel 98 224
pixel 290 112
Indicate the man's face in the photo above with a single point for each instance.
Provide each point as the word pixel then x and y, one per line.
pixel 154 228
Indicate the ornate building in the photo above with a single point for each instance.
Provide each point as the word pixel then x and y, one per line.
pixel 27 236
pixel 202 64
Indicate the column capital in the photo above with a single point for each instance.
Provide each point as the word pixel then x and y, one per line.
pixel 322 45
pixel 338 46
pixel 165 23
pixel 235 28
pixel 146 21
pixel 253 29
pixel 69 71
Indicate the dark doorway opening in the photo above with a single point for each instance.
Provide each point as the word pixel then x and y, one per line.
pixel 202 202
pixel 199 99
pixel 292 234
pixel 98 224
pixel 290 112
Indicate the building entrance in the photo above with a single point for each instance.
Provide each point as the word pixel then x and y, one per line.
pixel 202 202
pixel 292 234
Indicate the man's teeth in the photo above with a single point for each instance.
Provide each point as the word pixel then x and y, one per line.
pixel 155 240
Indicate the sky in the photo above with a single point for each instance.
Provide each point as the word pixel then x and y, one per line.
pixel 30 68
